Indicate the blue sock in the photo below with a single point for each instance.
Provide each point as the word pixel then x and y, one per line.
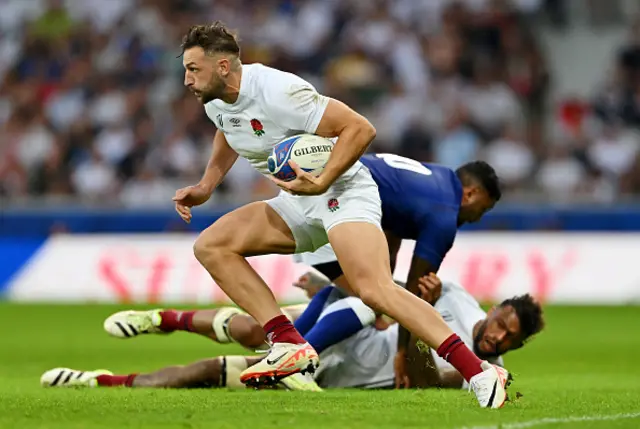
pixel 310 315
pixel 339 321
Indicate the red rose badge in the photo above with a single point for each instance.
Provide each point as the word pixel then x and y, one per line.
pixel 258 129
pixel 333 205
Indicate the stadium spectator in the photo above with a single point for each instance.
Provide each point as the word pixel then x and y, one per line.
pixel 92 106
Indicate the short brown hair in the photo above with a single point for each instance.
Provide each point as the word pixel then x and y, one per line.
pixel 211 38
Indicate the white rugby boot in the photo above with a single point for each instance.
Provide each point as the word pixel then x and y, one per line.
pixel 282 360
pixel 301 382
pixel 66 377
pixel 490 386
pixel 130 323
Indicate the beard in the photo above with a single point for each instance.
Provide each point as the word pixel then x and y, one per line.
pixel 476 341
pixel 212 91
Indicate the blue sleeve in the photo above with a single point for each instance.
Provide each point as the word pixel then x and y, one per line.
pixel 435 240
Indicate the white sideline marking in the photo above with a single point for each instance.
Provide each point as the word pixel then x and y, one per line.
pixel 549 420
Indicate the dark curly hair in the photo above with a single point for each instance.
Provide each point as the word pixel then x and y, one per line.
pixel 529 314
pixel 211 38
pixel 483 174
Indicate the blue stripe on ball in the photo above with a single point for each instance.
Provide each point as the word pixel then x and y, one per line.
pixel 283 150
pixel 278 163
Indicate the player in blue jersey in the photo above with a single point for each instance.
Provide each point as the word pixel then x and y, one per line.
pixel 422 202
pixel 428 202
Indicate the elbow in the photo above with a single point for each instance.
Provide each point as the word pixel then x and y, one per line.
pixel 369 130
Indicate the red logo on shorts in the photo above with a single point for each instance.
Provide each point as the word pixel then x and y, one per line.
pixel 333 205
pixel 258 129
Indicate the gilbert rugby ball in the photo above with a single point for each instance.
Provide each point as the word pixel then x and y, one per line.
pixel 309 151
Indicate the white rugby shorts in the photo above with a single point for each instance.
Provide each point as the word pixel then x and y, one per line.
pixel 310 218
pixel 323 255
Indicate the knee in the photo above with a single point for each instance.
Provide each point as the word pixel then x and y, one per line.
pixel 209 249
pixel 376 295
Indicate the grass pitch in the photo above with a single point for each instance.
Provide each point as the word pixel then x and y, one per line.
pixel 582 372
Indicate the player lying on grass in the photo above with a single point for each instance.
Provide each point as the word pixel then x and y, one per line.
pixel 363 360
pixel 255 107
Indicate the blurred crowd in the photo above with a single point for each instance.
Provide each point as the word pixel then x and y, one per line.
pixel 92 106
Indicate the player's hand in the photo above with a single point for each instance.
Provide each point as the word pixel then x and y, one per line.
pixel 311 283
pixel 188 197
pixel 383 322
pixel 400 368
pixel 303 184
pixel 430 288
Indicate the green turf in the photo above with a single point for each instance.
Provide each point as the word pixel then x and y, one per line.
pixel 585 364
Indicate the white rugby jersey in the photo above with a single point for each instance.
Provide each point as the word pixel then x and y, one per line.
pixel 366 359
pixel 461 312
pixel 271 106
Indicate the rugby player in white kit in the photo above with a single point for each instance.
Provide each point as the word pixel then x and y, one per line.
pixel 364 360
pixel 254 108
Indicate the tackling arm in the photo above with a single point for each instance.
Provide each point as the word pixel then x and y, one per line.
pixel 222 159
pixel 423 372
pixel 419 267
pixel 394 243
pixel 450 378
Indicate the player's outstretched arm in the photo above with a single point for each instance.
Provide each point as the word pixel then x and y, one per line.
pixel 355 133
pixel 394 243
pixel 424 373
pixel 421 368
pixel 222 159
pixel 419 268
pixel 450 379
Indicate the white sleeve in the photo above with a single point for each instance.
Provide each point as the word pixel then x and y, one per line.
pixel 293 102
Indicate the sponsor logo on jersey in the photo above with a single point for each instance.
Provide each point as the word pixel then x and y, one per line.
pixel 235 122
pixel 258 129
pixel 313 149
pixel 333 205
pixel 219 119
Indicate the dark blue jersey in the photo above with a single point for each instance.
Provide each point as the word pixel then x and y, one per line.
pixel 420 201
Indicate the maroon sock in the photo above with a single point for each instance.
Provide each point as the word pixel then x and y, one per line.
pixel 173 320
pixel 116 380
pixel 281 330
pixel 454 351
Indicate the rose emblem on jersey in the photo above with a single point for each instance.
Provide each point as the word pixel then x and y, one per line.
pixel 258 129
pixel 333 205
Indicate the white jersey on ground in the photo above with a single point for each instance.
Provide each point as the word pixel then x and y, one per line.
pixel 461 312
pixel 271 106
pixel 366 359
